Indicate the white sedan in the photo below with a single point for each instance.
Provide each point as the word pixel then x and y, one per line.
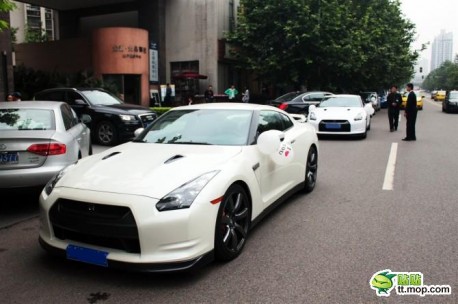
pixel 185 191
pixel 341 115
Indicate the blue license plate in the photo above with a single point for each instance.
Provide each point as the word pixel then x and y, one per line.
pixel 87 255
pixel 8 158
pixel 334 126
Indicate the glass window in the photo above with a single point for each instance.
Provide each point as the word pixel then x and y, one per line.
pixel 287 123
pixel 201 127
pixel 26 119
pixel 347 102
pixel 102 98
pixel 68 117
pixel 72 96
pixel 270 120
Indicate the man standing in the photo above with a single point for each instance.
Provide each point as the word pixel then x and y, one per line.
pixel 411 113
pixel 394 101
pixel 208 94
pixel 231 93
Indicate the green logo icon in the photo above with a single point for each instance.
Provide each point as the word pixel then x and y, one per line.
pixel 382 282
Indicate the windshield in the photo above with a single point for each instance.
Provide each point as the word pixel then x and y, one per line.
pixel 200 127
pixel 454 95
pixel 101 98
pixel 26 119
pixel 347 102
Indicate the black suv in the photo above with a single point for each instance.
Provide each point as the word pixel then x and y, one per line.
pixel 112 119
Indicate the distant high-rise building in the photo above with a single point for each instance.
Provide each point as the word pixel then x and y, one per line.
pixel 442 49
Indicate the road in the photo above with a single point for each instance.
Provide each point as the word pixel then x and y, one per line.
pixel 317 248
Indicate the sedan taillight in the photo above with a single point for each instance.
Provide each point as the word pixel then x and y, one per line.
pixel 48 149
pixel 283 106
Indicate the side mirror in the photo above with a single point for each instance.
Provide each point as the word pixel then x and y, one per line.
pixel 312 108
pixel 269 141
pixel 86 119
pixel 369 109
pixel 138 132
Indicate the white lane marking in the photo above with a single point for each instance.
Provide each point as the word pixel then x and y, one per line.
pixel 390 168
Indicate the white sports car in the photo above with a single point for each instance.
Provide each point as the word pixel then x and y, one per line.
pixel 341 114
pixel 185 191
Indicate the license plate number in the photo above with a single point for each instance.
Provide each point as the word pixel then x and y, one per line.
pixel 8 158
pixel 333 126
pixel 87 255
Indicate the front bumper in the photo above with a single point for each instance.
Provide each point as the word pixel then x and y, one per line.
pixel 350 128
pixel 167 241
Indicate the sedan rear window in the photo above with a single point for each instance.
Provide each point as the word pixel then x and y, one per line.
pixel 26 119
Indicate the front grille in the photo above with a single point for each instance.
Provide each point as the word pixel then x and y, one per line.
pixel 147 119
pixel 343 126
pixel 95 224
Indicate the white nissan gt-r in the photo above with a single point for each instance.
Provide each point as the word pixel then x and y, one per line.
pixel 185 191
pixel 341 115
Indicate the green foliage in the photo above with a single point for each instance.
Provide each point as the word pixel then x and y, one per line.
pixel 5 7
pixel 443 78
pixel 29 81
pixel 160 110
pixel 35 35
pixel 340 45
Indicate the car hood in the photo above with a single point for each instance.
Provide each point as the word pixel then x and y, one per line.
pixel 337 113
pixel 125 108
pixel 152 170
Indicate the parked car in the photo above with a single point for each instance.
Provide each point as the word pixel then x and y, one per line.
pixel 112 119
pixel 217 170
pixel 440 95
pixel 38 139
pixel 450 104
pixel 420 98
pixel 301 103
pixel 373 98
pixel 433 95
pixel 341 115
pixel 383 101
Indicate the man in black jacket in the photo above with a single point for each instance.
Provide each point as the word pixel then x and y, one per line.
pixel 411 113
pixel 394 100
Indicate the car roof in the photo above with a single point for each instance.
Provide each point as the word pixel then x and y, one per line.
pixel 31 104
pixel 226 106
pixel 71 89
pixel 344 95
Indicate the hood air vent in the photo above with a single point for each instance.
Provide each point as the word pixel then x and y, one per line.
pixel 173 158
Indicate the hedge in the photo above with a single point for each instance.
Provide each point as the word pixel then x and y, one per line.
pixel 160 110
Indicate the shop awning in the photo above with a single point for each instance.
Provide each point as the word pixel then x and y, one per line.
pixel 190 75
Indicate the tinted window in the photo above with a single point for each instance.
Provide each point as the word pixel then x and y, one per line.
pixel 68 117
pixel 97 97
pixel 314 97
pixel 26 119
pixel 287 123
pixel 341 101
pixel 270 120
pixel 53 96
pixel 72 96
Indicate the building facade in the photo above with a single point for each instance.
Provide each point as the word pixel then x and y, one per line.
pixel 32 22
pixel 442 49
pixel 184 37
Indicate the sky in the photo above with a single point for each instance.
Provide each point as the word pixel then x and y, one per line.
pixel 430 17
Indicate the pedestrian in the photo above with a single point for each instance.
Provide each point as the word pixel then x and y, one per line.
pixel 168 94
pixel 190 100
pixel 208 94
pixel 410 114
pixel 394 100
pixel 231 92
pixel 10 97
pixel 16 96
pixel 246 96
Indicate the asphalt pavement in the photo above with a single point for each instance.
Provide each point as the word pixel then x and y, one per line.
pixel 317 248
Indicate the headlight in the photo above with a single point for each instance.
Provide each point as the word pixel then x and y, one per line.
pixel 52 183
pixel 127 117
pixel 358 117
pixel 312 116
pixel 184 196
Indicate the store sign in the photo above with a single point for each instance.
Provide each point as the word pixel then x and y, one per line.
pixel 129 51
pixel 153 65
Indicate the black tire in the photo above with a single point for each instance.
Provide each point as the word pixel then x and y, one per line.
pixel 364 135
pixel 106 133
pixel 369 126
pixel 311 170
pixel 232 224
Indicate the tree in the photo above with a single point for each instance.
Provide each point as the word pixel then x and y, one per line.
pixel 340 45
pixel 35 35
pixel 443 78
pixel 5 7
